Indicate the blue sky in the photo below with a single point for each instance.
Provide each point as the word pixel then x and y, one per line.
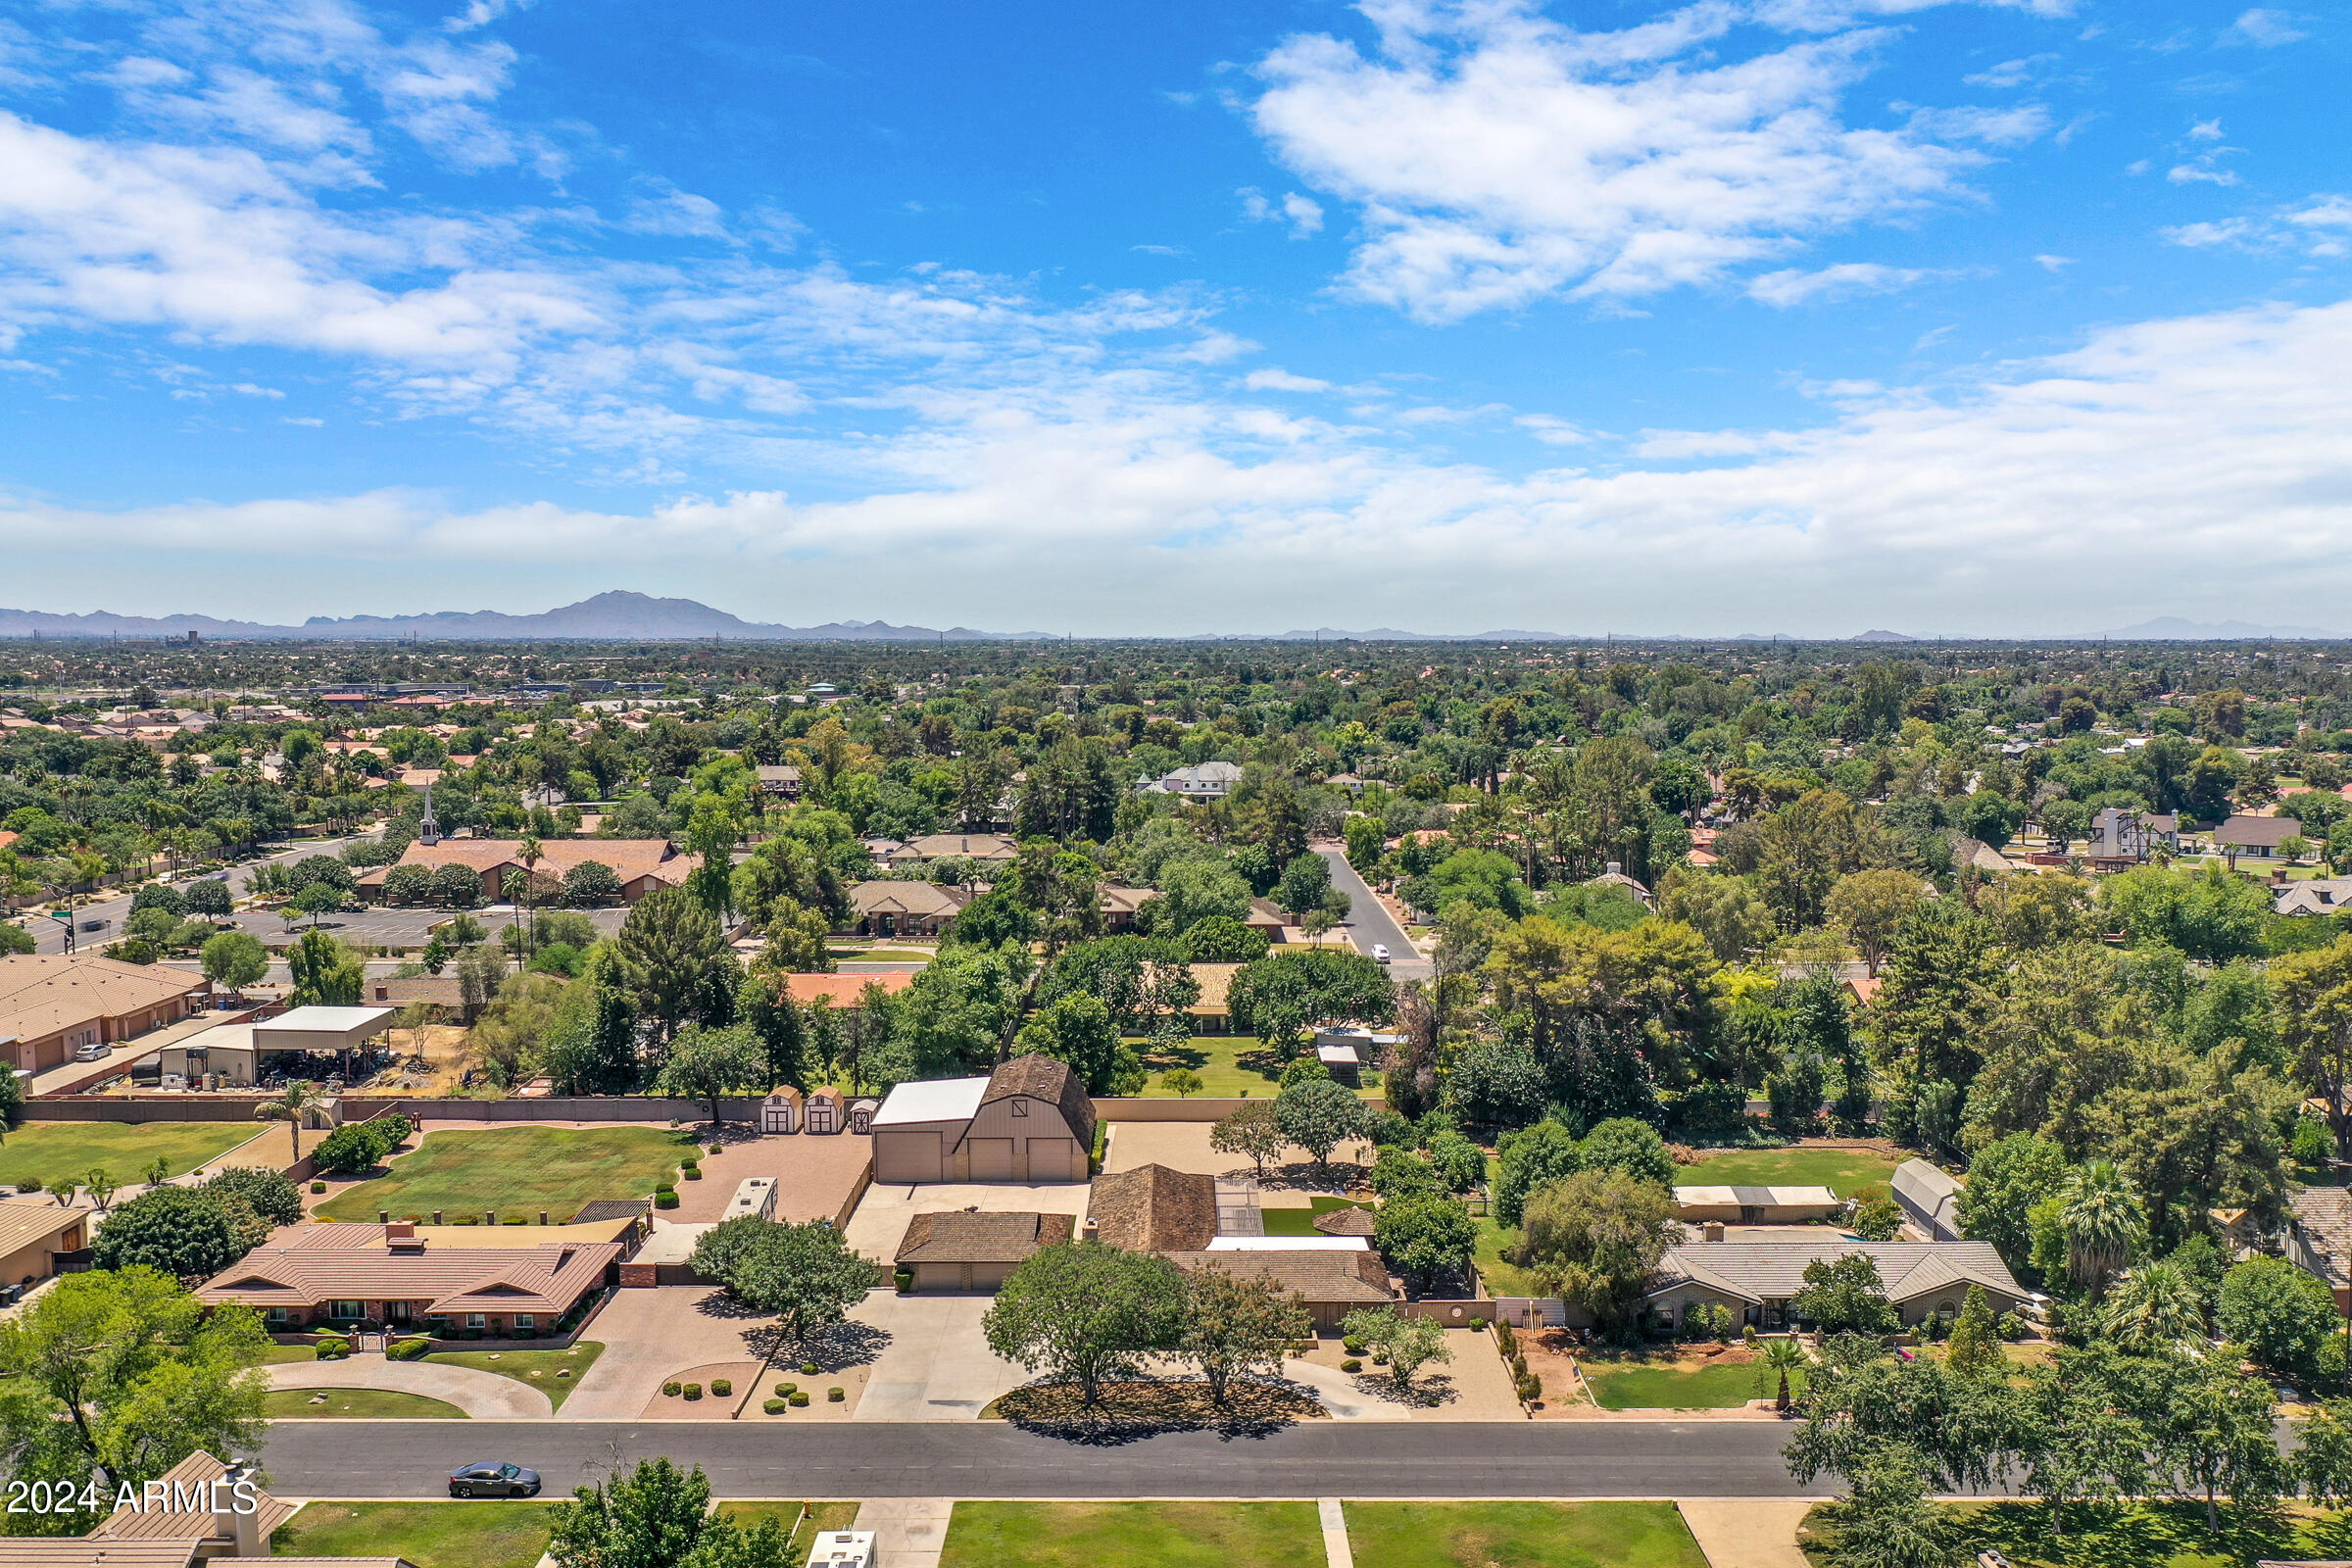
pixel 1795 315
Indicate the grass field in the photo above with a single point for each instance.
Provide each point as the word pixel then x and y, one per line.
pixel 1521 1535
pixel 1842 1170
pixel 1228 1066
pixel 1134 1535
pixel 823 1516
pixel 538 1368
pixel 1301 1221
pixel 356 1405
pixel 518 1170
pixel 501 1533
pixel 1659 1385
pixel 55 1151
pixel 1502 1276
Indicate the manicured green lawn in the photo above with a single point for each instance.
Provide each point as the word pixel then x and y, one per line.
pixel 823 1516
pixel 1228 1064
pixel 516 1170
pixel 1134 1535
pixel 280 1354
pixel 1634 1386
pixel 357 1405
pixel 538 1368
pixel 1521 1535
pixel 1301 1221
pixel 483 1534
pixel 1842 1170
pixel 1502 1276
pixel 54 1151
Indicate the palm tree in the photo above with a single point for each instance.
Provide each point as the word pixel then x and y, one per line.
pixel 2103 1223
pixel 101 1187
pixel 2155 1306
pixel 292 1102
pixel 1782 1356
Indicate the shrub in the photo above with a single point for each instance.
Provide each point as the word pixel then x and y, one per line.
pixel 333 1349
pixel 721 1386
pixel 2009 1326
pixel 1351 1364
pixel 903 1279
pixel 786 1390
pixel 1352 1346
pixel 665 1200
pixel 836 1395
pixel 31 1184
pixel 800 1400
pixel 693 1173
pixel 318 1186
pixel 1531 1389
pixel 407 1350
pixel 1518 1364
pixel 523 1333
pixel 473 1334
pixel 1477 1325
pixel 1506 1337
pixel 671 1389
pixel 693 1391
pixel 774 1407
pixel 716 1147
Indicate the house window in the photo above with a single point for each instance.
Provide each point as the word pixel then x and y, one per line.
pixel 525 1320
pixel 395 1311
pixel 276 1314
pixel 475 1320
pixel 346 1309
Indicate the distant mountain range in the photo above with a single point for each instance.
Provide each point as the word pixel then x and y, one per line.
pixel 616 616
pixel 2173 628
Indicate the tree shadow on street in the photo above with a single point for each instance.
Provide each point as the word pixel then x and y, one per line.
pixel 1149 1408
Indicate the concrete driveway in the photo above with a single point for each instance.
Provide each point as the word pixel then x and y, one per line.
pixel 649 1335
pixel 484 1395
pixel 880 1223
pixel 937 1365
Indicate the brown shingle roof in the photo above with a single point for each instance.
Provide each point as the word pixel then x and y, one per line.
pixel 922 899
pixel 42 994
pixel 2256 832
pixel 1348 1221
pixel 963 1237
pixel 192 1476
pixel 1355 1277
pixel 321 1261
pixel 2324 1215
pixel 1041 1077
pixel 1153 1209
pixel 630 858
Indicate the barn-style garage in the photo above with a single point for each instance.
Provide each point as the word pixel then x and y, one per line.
pixel 1028 1121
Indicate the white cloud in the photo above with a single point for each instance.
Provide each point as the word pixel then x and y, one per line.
pixel 2321 227
pixel 1847 278
pixel 1271 379
pixel 2205 130
pixel 1496 156
pixel 2013 72
pixel 1555 431
pixel 2265 28
pixel 1302 215
pixel 2054 264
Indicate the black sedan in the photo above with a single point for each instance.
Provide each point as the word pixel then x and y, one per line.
pixel 492 1479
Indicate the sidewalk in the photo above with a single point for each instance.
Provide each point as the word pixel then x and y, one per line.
pixel 1747 1532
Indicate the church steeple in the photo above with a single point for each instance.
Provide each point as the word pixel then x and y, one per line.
pixel 428 831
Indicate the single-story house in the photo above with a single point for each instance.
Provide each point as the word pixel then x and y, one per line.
pixel 903 908
pixel 2318 1238
pixel 441 993
pixel 1119 906
pixel 1615 878
pixel 1030 1120
pixel 1200 782
pixel 1331 1284
pixel 1756 1205
pixel 1757 1280
pixel 1930 1199
pixel 502 1280
pixel 53 1003
pixel 966 1249
pixel 38 1239
pixel 1153 1209
pixel 987 846
pixel 2320 895
pixel 642 865
pixel 202 1511
pixel 2258 836
pixel 1212 1014
pixel 779 781
pixel 1267 917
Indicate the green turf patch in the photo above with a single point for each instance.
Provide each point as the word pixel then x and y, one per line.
pixel 1843 1171
pixel 1521 1535
pixel 538 1368
pixel 356 1405
pixel 1502 1276
pixel 1634 1384
pixel 1134 1535
pixel 518 1170
pixel 486 1534
pixel 52 1152
pixel 1301 1221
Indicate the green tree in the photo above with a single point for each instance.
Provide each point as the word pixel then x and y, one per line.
pixel 1319 1115
pixel 1222 939
pixel 1280 995
pixel 2280 1314
pixel 590 1048
pixel 961 1011
pixel 2153 1307
pixel 326 972
pixel 2210 914
pixel 1250 1131
pixel 179 1232
pixel 1595 1238
pixel 1888 1520
pixel 710 1063
pixel 1409 1343
pixel 1078 1030
pixel 117 1376
pixel 233 961
pixel 1425 1235
pixel 2103 1222
pixel 2214 1434
pixel 1367 843
pixel 1846 1296
pixel 658 1516
pixel 290 1105
pixel 1632 1146
pixel 1725 910
pixel 2005 1180
pixel 1976 1350
pixel 2322 1458
pixel 678 962
pixel 1869 905
pixel 1783 1357
pixel 804 1275
pixel 1087 1314
pixel 1532 1157
pixel 1235 1327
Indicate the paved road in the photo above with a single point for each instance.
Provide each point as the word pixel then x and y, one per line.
pixel 49 936
pixel 1369 922
pixel 767 1457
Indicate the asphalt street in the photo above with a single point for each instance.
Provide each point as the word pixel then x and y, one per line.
pixel 49 935
pixel 1369 922
pixel 770 1458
